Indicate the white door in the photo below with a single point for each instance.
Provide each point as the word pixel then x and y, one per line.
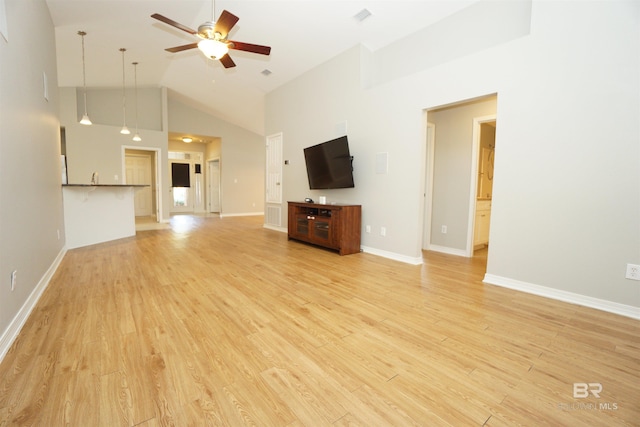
pixel 182 181
pixel 214 185
pixel 273 197
pixel 274 168
pixel 138 172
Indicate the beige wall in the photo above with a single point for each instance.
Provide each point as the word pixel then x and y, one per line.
pixel 567 233
pixel 241 153
pixel 99 148
pixel 31 217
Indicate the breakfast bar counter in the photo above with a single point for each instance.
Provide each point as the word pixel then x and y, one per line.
pixel 98 213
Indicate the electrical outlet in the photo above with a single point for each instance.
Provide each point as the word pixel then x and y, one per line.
pixel 443 230
pixel 633 272
pixel 367 229
pixel 383 231
pixel 14 275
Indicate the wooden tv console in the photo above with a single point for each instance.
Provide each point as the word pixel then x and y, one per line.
pixel 331 226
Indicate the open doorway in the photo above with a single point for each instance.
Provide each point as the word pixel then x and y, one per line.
pixel 451 169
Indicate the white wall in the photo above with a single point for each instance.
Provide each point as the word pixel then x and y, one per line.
pixel 30 175
pixel 568 88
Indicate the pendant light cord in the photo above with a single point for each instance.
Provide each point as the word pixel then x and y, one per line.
pixel 135 82
pixel 135 77
pixel 84 75
pixel 124 94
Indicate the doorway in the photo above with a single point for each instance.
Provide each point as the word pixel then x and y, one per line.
pixel 187 181
pixel 451 166
pixel 140 167
pixel 181 189
pixel 484 144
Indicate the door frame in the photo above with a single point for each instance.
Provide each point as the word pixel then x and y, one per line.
pixel 156 155
pixel 475 158
pixel 430 135
pixel 210 176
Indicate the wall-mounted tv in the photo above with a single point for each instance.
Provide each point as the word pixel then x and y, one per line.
pixel 329 165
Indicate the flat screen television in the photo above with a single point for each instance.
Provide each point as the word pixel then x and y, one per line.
pixel 329 165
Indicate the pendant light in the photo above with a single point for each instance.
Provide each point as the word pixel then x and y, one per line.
pixel 85 118
pixel 125 130
pixel 136 136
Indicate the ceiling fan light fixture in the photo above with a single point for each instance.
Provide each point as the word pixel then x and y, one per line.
pixel 207 31
pixel 213 48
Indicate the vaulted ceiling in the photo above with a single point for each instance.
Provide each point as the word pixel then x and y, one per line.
pixel 301 33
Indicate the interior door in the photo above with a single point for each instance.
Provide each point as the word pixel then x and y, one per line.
pixel 181 185
pixel 138 172
pixel 274 155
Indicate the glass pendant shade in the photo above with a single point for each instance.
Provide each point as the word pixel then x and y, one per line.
pixel 125 130
pixel 85 120
pixel 213 48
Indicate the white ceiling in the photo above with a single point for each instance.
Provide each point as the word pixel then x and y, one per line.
pixel 302 34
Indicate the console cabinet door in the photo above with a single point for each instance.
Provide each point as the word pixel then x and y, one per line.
pixel 321 231
pixel 302 226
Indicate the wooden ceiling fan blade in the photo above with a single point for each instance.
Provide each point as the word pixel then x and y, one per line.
pixel 173 23
pixel 227 61
pixel 248 47
pixel 181 48
pixel 225 23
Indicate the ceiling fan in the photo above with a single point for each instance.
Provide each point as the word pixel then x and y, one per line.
pixel 213 34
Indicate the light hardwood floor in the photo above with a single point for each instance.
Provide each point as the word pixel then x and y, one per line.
pixel 222 322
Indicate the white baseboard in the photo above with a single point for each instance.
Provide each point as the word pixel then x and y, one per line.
pixel 11 333
pixel 392 255
pixel 570 297
pixel 447 250
pixel 241 214
pixel 274 228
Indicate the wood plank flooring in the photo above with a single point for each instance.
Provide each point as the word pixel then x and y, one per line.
pixel 222 322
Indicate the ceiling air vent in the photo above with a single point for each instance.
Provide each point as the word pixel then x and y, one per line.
pixel 362 15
